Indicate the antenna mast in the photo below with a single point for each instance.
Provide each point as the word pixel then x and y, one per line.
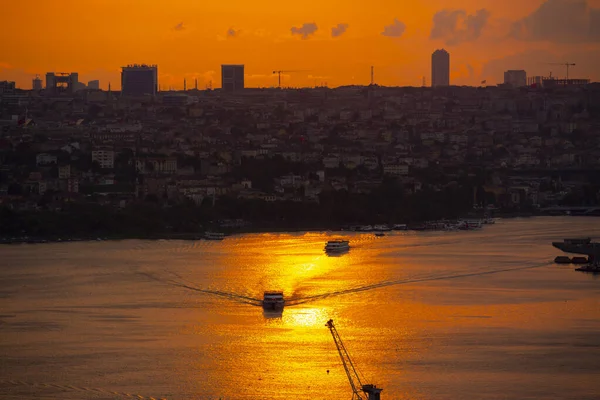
pixel 372 75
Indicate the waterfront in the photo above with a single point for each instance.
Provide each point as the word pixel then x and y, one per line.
pixel 103 315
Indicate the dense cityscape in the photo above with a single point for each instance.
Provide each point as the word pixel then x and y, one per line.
pixel 76 159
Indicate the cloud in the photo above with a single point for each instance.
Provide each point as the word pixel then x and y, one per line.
pixel 179 27
pixel 456 26
pixel 232 33
pixel 562 21
pixel 339 30
pixel 307 29
pixel 396 29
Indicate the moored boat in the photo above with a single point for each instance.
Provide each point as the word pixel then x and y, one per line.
pixel 214 236
pixel 562 260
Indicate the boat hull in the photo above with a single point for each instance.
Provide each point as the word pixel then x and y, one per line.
pixel 273 305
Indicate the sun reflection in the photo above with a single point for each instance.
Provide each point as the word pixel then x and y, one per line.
pixel 303 317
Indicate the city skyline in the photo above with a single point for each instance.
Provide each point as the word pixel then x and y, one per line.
pixel 334 44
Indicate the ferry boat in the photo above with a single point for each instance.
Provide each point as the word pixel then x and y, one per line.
pixel 337 246
pixel 214 236
pixel 273 301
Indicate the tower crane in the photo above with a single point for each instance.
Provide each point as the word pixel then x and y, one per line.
pixel 279 75
pixel 568 65
pixel 372 392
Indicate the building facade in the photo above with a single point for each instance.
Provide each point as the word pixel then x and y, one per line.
pixel 232 77
pixel 94 85
pixel 139 80
pixel 515 78
pixel 440 68
pixel 61 82
pixel 36 83
pixel 105 158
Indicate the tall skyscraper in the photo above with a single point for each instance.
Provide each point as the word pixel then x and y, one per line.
pixel 515 78
pixel 232 77
pixel 139 80
pixel 440 68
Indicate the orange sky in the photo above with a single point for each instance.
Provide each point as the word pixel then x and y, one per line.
pixel 188 38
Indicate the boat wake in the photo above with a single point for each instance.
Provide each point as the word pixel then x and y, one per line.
pixel 181 282
pixel 436 277
pixel 295 301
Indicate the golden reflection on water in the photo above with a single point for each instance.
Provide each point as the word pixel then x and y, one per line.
pixel 440 339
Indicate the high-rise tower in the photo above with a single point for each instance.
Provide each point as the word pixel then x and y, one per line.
pixel 139 80
pixel 232 77
pixel 440 68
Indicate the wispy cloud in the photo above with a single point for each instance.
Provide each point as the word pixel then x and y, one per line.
pixel 339 30
pixel 307 29
pixel 563 21
pixel 456 26
pixel 395 29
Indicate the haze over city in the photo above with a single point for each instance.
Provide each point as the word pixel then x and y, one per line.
pixel 333 43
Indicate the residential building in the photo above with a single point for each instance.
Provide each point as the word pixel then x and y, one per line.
pixel 45 159
pixel 94 85
pixel 515 78
pixel 105 158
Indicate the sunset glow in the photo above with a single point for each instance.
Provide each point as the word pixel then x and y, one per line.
pixel 330 42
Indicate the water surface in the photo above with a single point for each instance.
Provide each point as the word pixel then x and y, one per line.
pixel 424 315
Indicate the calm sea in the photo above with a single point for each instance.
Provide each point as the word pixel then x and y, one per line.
pixel 442 315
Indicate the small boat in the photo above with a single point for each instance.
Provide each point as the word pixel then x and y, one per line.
pixel 337 246
pixel 562 260
pixel 381 228
pixel 580 260
pixel 380 234
pixel 400 227
pixel 273 301
pixel 214 236
pixel 594 268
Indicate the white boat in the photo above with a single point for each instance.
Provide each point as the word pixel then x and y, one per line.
pixel 473 223
pixel 366 228
pixel 381 228
pixel 400 227
pixel 337 246
pixel 273 301
pixel 214 236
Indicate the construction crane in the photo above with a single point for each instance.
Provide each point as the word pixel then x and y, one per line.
pixel 372 392
pixel 568 65
pixel 283 72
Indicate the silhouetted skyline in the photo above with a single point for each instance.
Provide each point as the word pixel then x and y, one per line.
pixel 336 44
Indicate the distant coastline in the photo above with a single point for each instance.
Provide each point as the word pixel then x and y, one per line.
pixel 194 236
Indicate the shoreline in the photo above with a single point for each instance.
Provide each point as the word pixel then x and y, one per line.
pixel 195 236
